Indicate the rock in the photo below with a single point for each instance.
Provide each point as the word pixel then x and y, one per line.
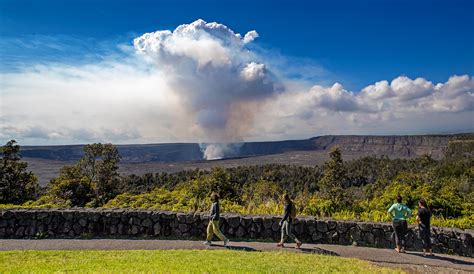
pixel 233 221
pixel 379 236
pixel 454 244
pixel 155 217
pixel 183 228
pixel 113 229
pixel 122 229
pixel 3 223
pixel 6 214
pixel 343 227
pixel 181 217
pixel 42 215
pixel 276 227
pixel 77 229
pixel 134 230
pixel 322 226
pixel 334 237
pixel 68 215
pixel 147 222
pixel 267 222
pixel 366 226
pixel 20 231
pixel 241 232
pixel 369 238
pixel 191 218
pixel 332 225
pixel 355 233
pixel 299 228
pixel 311 226
pixel 245 222
pixel 317 237
pixel 344 239
pixel 82 222
pixel 157 229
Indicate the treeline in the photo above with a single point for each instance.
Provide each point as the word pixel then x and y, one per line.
pixel 358 189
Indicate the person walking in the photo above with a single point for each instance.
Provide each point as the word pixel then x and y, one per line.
pixel 286 222
pixel 423 219
pixel 213 226
pixel 400 213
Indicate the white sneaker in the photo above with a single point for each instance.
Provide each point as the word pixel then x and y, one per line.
pixel 226 242
pixel 207 243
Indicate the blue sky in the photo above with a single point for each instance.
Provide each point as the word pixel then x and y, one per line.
pixel 150 71
pixel 358 42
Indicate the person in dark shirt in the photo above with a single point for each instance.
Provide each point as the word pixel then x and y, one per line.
pixel 213 226
pixel 423 219
pixel 286 223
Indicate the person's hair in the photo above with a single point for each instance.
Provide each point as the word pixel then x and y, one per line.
pixel 214 197
pixel 399 198
pixel 423 203
pixel 286 197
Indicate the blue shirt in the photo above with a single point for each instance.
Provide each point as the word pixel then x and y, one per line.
pixel 399 211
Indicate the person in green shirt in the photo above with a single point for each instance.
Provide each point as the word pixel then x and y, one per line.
pixel 400 213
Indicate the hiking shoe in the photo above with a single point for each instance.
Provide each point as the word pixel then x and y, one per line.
pixel 207 243
pixel 226 242
pixel 280 245
pixel 298 245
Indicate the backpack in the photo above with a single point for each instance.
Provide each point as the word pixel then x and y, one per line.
pixel 293 211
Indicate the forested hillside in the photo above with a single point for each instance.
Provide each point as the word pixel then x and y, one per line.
pixel 356 189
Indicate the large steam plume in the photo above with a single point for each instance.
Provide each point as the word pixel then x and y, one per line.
pixel 215 75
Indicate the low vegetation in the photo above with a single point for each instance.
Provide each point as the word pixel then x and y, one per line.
pixel 180 261
pixel 361 189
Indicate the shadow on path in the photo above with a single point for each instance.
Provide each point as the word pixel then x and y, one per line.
pixel 235 247
pixel 314 250
pixel 447 259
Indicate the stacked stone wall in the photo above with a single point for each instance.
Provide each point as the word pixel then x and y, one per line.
pixel 128 223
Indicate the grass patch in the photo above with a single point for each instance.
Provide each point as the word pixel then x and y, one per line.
pixel 179 261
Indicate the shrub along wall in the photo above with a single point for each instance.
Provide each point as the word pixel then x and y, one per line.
pixel 123 223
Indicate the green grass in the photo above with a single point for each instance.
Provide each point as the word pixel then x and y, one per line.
pixel 179 261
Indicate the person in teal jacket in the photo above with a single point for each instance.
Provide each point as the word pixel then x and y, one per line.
pixel 400 213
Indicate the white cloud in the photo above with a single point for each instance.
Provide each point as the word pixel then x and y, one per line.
pixel 405 106
pixel 200 82
pixel 250 36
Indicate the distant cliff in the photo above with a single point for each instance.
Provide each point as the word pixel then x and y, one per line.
pixel 392 146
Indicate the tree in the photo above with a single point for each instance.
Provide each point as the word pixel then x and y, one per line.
pixel 91 181
pixel 70 188
pixel 17 185
pixel 100 165
pixel 333 178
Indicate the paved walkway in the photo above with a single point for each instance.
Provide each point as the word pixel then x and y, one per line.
pixel 413 262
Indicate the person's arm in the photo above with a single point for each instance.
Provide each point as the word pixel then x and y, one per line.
pixel 213 211
pixel 287 213
pixel 408 212
pixel 390 210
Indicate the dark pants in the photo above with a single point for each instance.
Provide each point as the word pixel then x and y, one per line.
pixel 425 235
pixel 400 227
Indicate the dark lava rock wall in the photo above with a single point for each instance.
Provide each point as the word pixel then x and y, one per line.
pixel 127 223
